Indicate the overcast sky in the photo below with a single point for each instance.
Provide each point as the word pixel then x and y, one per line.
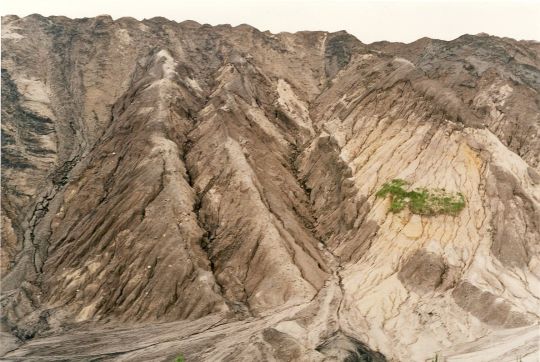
pixel 405 20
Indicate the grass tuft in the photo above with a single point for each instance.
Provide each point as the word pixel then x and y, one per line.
pixel 421 201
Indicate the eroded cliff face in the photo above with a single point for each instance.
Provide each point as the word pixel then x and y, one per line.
pixel 223 180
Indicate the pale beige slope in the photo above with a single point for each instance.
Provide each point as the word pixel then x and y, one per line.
pixel 415 285
pixel 496 77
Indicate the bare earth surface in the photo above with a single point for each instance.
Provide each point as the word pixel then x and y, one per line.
pixel 181 189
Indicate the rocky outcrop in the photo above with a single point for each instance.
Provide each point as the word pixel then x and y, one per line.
pixel 176 188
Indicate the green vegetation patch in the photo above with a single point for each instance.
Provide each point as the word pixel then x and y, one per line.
pixel 421 200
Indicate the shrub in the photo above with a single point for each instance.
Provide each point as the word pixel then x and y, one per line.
pixel 421 200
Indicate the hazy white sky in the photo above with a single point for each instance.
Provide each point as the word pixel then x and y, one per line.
pixel 397 20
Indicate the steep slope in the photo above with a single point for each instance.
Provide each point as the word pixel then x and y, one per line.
pixel 496 78
pixel 224 180
pixel 407 278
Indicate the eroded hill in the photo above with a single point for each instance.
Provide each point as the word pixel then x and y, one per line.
pixel 176 188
